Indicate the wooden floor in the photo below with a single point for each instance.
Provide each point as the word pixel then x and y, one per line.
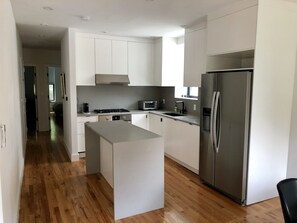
pixel 56 190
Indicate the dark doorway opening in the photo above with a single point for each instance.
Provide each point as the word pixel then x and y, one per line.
pixel 30 94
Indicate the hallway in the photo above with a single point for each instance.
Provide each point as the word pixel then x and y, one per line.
pixel 56 190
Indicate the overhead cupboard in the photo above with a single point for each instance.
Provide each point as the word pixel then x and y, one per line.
pixel 140 63
pixel 231 31
pixel 85 60
pixel 97 54
pixel 195 54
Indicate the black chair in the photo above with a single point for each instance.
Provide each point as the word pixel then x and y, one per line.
pixel 287 190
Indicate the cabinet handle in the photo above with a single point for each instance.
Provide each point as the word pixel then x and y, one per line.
pixel 3 136
pixel 161 119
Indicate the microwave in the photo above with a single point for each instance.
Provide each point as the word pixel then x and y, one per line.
pixel 147 105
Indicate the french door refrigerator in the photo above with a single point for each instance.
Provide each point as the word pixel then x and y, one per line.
pixel 224 131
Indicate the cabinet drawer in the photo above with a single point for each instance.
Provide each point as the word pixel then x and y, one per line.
pixel 87 119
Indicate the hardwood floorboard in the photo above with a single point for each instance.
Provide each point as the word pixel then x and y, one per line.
pixel 56 190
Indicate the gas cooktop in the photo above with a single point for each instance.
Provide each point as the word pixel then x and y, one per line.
pixel 116 110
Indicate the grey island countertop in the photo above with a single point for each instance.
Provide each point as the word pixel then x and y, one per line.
pixel 120 131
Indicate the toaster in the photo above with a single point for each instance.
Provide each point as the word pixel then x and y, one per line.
pixel 147 105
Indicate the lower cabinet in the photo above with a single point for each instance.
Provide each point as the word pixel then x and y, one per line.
pixel 181 140
pixel 140 120
pixel 81 131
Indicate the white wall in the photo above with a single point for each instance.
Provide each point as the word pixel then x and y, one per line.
pixel 70 102
pixel 292 158
pixel 274 71
pixel 42 59
pixel 12 156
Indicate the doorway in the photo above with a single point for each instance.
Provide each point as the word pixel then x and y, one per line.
pixel 30 94
pixel 55 96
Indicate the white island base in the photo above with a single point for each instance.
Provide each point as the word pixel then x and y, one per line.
pixel 131 159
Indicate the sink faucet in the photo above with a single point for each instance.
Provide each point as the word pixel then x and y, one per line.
pixel 180 106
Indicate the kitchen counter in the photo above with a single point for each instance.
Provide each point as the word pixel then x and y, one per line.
pixel 120 131
pixel 191 119
pixel 131 160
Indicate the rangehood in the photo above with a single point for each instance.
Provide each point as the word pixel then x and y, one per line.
pixel 112 79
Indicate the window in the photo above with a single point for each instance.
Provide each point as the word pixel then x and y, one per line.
pixel 186 92
pixel 51 92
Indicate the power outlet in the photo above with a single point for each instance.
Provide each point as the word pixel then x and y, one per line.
pixel 163 101
pixel 194 107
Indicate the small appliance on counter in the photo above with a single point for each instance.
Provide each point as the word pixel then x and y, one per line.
pixel 147 105
pixel 85 108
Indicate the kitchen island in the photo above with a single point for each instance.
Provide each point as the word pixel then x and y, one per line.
pixel 131 159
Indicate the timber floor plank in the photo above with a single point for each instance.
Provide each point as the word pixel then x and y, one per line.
pixel 57 190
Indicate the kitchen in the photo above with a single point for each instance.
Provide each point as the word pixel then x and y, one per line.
pixel 270 89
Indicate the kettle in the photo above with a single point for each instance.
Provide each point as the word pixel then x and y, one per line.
pixel 85 108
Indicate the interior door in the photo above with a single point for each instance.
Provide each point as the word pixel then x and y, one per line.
pixel 31 100
pixel 233 113
pixel 206 158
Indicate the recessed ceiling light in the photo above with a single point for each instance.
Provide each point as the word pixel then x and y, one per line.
pixel 47 8
pixel 85 18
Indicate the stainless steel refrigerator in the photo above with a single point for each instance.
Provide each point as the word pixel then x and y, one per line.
pixel 224 131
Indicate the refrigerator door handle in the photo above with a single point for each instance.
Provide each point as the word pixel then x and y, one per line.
pixel 211 119
pixel 215 126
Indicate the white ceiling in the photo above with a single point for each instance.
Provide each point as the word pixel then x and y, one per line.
pixel 40 28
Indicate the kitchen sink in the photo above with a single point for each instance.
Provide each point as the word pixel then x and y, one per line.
pixel 172 114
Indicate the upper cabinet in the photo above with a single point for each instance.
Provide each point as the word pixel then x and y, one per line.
pixel 85 61
pixel 195 56
pixel 111 56
pixel 140 63
pixel 168 58
pixel 232 30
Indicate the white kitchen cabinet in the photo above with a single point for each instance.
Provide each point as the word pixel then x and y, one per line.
pixel 103 56
pixel 119 57
pixel 181 140
pixel 141 120
pixel 195 57
pixel 85 61
pixel 140 63
pixel 111 56
pixel 169 59
pixel 232 32
pixel 182 143
pixel 81 120
pixel 156 124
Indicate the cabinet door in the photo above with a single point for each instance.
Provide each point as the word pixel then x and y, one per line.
pixel 190 150
pixel 140 63
pixel 85 61
pixel 81 147
pixel 182 142
pixel 156 124
pixel 81 131
pixel 169 60
pixel 232 33
pixel 119 55
pixel 140 120
pixel 103 56
pixel 195 57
